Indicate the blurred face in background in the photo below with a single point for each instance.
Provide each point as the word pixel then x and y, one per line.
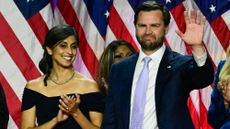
pixel 121 52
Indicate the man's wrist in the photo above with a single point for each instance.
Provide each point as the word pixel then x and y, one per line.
pixel 198 50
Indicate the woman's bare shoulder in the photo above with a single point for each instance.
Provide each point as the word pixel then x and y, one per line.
pixel 87 84
pixel 35 84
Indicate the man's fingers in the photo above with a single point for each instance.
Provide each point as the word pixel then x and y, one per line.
pixel 192 17
pixel 186 17
pixel 198 17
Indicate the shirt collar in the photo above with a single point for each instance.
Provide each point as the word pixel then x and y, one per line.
pixel 156 56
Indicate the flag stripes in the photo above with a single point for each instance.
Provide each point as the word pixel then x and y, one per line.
pixel 11 99
pixel 118 27
pixel 24 24
pixel 39 27
pixel 22 59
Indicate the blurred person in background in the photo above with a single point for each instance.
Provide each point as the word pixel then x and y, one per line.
pixel 114 52
pixel 219 109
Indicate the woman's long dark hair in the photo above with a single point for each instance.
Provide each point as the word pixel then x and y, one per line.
pixel 54 35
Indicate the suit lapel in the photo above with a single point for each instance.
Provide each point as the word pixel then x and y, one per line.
pixel 164 73
pixel 126 88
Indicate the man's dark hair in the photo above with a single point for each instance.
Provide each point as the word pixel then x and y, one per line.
pixel 152 6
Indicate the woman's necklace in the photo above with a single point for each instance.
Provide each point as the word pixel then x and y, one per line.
pixel 66 81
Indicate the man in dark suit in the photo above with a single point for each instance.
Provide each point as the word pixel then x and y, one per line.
pixel 171 75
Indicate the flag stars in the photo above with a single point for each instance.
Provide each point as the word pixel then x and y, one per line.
pixel 107 14
pixel 168 1
pixel 212 8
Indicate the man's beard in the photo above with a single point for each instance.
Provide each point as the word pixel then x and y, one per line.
pixel 151 46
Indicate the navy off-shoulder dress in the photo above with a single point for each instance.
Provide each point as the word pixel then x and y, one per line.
pixel 47 107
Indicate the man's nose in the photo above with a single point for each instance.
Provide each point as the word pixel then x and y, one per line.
pixel 148 30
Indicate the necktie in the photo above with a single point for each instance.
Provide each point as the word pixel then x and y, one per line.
pixel 140 97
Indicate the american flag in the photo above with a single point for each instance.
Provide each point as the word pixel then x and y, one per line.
pixel 24 23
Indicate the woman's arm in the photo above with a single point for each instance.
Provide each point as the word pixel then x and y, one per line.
pixel 28 118
pixel 95 117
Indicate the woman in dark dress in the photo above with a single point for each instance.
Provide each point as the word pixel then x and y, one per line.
pixel 62 98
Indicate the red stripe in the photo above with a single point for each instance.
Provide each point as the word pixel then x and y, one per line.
pixel 166 43
pixel 203 115
pixel 118 27
pixel 13 102
pixel 222 32
pixel 87 53
pixel 39 26
pixel 193 114
pixel 17 51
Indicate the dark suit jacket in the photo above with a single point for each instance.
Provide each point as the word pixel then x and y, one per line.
pixel 217 114
pixel 176 77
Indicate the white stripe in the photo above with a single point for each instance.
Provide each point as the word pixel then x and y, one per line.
pixel 58 18
pixel 11 72
pixel 11 124
pixel 80 66
pixel 22 30
pixel 93 37
pixel 206 96
pixel 109 36
pixel 127 15
pixel 226 17
pixel 213 45
pixel 47 17
pixel 195 100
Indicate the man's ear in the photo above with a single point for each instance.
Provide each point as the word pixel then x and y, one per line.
pixel 49 50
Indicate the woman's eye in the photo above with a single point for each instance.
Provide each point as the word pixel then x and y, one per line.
pixel 63 45
pixel 74 46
